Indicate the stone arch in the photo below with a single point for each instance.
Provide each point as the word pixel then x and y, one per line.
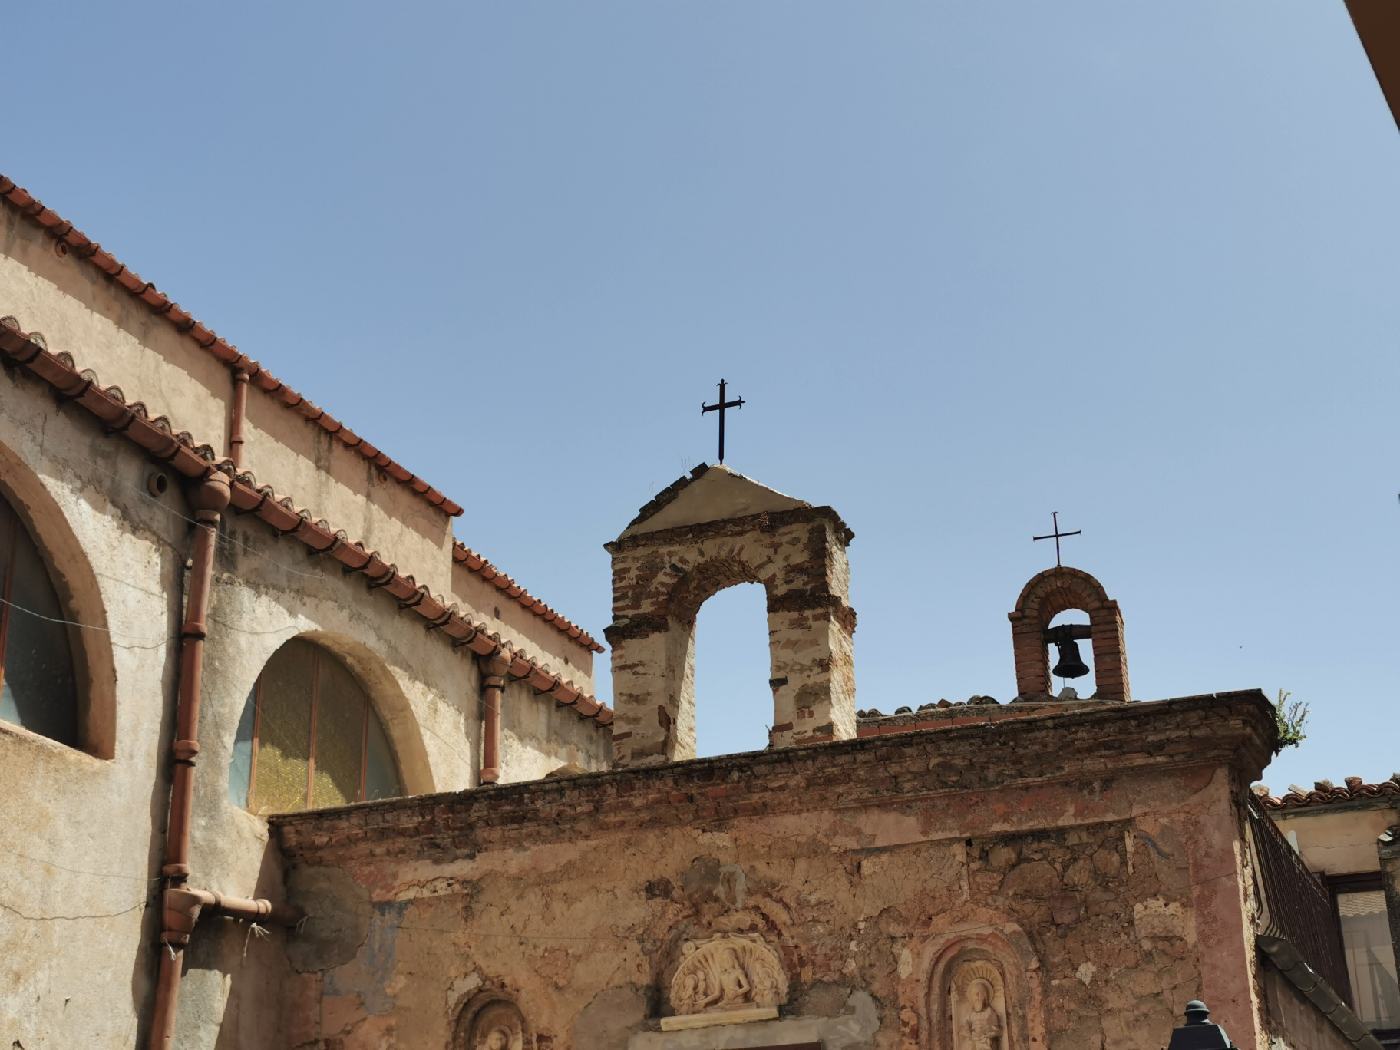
pixel 661 577
pixel 998 956
pixel 80 595
pixel 1044 597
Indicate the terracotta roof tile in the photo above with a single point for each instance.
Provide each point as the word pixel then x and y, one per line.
pixel 1324 793
pixel 159 439
pixel 68 239
pixel 474 562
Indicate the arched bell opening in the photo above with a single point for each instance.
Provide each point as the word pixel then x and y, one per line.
pixel 1040 635
pixel 732 666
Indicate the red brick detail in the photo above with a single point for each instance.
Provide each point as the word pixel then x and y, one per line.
pixel 1042 599
pixel 1099 741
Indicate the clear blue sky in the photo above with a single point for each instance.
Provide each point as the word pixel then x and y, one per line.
pixel 968 263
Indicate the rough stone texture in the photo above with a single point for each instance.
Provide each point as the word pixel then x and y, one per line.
pixel 1097 855
pixel 661 577
pixel 85 827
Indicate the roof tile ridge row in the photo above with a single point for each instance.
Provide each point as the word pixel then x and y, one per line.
pixel 69 239
pixel 474 562
pixel 179 451
pixel 1325 792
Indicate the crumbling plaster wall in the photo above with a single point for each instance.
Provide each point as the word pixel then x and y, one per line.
pixel 77 847
pixel 1123 886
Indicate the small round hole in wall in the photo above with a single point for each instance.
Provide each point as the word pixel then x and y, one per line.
pixel 60 248
pixel 157 483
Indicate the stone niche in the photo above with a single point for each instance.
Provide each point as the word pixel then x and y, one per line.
pixel 491 1022
pixel 984 994
pixel 711 530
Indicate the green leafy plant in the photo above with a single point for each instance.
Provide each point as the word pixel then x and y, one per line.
pixel 1291 717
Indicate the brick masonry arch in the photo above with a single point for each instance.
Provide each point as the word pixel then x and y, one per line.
pixel 1044 597
pixel 662 577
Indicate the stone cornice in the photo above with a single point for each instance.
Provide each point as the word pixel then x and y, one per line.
pixel 1228 729
pixel 767 520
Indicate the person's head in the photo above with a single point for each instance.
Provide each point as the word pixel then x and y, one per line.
pixel 497 1039
pixel 979 995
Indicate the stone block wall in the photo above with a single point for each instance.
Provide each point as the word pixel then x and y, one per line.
pixel 660 580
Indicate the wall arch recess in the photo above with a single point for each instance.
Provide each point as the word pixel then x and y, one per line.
pixel 31 507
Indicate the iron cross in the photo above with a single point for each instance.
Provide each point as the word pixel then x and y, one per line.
pixel 720 406
pixel 1057 535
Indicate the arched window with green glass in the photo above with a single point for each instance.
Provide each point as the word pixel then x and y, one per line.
pixel 309 737
pixel 38 686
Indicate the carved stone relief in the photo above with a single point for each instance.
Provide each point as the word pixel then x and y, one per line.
pixel 977 999
pixel 727 972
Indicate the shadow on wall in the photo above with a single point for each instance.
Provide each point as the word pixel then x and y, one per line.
pixel 733 701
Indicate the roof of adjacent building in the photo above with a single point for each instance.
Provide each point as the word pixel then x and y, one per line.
pixel 1325 793
pixel 71 241
pixel 182 453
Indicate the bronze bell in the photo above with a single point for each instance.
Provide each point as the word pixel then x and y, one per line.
pixel 1071 664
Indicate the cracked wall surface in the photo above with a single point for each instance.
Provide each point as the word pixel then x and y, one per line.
pixel 1100 851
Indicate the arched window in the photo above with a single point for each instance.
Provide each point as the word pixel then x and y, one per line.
pixel 309 737
pixel 38 688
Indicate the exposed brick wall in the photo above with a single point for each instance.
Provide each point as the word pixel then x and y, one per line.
pixel 1042 599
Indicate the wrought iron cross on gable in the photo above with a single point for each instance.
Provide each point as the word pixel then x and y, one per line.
pixel 1057 535
pixel 720 406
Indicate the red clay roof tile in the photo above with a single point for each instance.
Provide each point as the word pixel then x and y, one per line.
pixel 158 438
pixel 159 303
pixel 1324 792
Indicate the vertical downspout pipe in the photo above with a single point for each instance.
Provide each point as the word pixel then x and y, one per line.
pixel 493 683
pixel 236 415
pixel 209 498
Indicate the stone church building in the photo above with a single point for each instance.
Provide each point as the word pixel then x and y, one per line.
pixel 286 764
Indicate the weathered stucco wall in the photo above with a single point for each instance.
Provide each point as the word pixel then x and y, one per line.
pixel 1338 839
pixel 116 336
pixel 79 915
pixel 1097 855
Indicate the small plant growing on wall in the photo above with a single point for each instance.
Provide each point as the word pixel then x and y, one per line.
pixel 1291 717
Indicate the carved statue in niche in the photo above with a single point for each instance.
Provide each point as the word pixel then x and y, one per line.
pixel 977 998
pixel 497 1025
pixel 727 972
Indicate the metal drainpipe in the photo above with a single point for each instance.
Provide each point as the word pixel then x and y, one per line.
pixel 493 683
pixel 209 498
pixel 236 414
pixel 182 904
